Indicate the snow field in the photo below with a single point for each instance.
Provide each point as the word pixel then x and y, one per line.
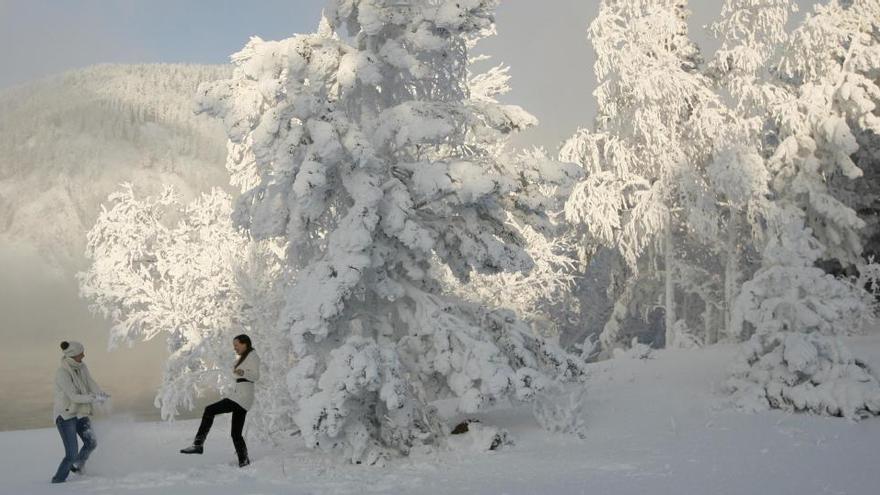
pixel 654 426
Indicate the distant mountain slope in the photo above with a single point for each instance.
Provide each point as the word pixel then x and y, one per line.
pixel 67 141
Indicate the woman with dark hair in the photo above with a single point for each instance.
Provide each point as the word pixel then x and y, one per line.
pixel 75 395
pixel 247 372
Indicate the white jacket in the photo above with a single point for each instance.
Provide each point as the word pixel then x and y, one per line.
pixel 243 393
pixel 68 402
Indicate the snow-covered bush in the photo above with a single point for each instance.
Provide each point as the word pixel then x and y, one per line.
pixel 477 437
pixel 796 314
pixel 562 410
pixel 636 350
pixel 685 337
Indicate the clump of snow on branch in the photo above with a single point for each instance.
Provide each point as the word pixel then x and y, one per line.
pixel 542 295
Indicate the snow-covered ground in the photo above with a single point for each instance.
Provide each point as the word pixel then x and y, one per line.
pixel 655 426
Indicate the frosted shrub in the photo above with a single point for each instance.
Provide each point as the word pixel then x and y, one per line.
pixel 562 410
pixel 794 359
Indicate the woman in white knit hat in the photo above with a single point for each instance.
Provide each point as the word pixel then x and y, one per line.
pixel 75 395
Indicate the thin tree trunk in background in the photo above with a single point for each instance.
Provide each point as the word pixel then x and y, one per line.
pixel 710 329
pixel 670 285
pixel 731 270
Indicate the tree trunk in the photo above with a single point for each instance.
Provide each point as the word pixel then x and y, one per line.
pixel 731 269
pixel 710 330
pixel 670 285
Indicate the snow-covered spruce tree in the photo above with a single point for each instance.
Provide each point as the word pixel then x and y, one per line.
pixel 367 154
pixel 795 359
pixel 161 267
pixel 646 188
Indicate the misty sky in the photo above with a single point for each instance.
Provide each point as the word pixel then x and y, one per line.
pixel 543 41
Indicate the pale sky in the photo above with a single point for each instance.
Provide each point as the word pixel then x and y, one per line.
pixel 544 42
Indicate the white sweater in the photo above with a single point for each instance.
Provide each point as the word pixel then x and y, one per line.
pixel 68 402
pixel 243 393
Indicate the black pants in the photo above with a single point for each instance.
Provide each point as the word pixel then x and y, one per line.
pixel 238 415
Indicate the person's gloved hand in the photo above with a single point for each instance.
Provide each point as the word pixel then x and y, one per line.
pixel 101 397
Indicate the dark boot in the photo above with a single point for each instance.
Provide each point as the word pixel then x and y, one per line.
pixel 196 448
pixel 243 459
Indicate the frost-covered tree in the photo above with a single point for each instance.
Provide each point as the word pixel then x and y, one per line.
pixel 750 32
pixel 163 268
pixel 364 149
pixel 646 188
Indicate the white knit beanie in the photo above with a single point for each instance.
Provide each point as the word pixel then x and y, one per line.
pixel 72 348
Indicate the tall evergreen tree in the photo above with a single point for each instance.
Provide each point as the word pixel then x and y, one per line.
pixel 362 148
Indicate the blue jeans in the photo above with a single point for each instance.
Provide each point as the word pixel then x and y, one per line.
pixel 69 429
